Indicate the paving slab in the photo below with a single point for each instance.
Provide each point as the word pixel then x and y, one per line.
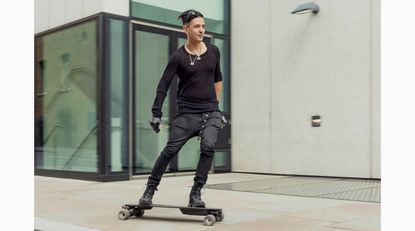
pixel 86 205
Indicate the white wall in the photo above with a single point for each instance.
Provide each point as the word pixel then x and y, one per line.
pixel 286 68
pixel 53 13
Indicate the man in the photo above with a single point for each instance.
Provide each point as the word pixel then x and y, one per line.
pixel 200 82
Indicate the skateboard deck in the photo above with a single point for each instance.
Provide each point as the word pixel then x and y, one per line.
pixel 212 214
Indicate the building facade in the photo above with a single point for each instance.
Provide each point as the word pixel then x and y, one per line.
pixel 98 62
pixel 287 68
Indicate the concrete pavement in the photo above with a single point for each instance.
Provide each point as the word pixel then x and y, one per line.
pixel 66 204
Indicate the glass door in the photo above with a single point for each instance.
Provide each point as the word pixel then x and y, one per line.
pixel 151 53
pixel 152 49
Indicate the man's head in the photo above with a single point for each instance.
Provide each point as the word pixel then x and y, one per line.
pixel 193 24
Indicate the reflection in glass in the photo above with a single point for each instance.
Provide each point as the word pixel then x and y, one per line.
pixel 222 161
pixel 223 45
pixel 117 70
pixel 215 12
pixel 151 56
pixel 65 94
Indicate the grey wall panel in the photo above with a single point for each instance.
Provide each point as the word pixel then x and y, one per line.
pixel 42 17
pixel 329 68
pixel 321 64
pixel 73 10
pixel 91 7
pixel 250 86
pixel 120 7
pixel 54 13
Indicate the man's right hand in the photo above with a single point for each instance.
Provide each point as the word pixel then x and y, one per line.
pixel 155 124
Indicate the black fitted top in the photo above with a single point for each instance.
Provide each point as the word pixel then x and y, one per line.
pixel 196 90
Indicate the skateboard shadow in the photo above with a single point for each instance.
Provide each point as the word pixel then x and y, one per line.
pixel 173 219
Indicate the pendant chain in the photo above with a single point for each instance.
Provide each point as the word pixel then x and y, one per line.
pixel 192 62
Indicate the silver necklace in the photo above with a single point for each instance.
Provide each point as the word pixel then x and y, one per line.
pixel 192 62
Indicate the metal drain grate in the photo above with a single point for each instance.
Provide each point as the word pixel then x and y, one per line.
pixel 332 188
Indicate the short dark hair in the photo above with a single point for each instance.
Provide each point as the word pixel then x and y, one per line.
pixel 189 15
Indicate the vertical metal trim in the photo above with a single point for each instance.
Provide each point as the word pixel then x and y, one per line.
pixel 172 46
pixel 230 82
pixel 131 119
pixel 103 104
pixel 129 7
pixel 106 122
pixel 99 107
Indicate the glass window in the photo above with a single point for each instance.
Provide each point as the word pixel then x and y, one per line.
pixel 216 12
pixel 224 47
pixel 117 70
pixel 151 56
pixel 66 99
pixel 222 161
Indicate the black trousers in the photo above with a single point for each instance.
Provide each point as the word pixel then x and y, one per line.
pixel 186 126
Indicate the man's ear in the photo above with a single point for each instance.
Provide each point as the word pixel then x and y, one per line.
pixel 185 28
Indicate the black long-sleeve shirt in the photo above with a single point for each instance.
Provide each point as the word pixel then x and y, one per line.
pixel 196 91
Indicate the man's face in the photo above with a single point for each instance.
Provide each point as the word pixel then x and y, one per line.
pixel 195 29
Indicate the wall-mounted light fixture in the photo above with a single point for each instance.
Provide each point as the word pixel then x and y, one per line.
pixel 316 121
pixel 305 8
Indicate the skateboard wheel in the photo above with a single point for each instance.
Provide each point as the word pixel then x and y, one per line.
pixel 139 213
pixel 123 214
pixel 209 220
pixel 220 216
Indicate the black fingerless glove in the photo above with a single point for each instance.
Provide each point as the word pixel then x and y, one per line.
pixel 155 124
